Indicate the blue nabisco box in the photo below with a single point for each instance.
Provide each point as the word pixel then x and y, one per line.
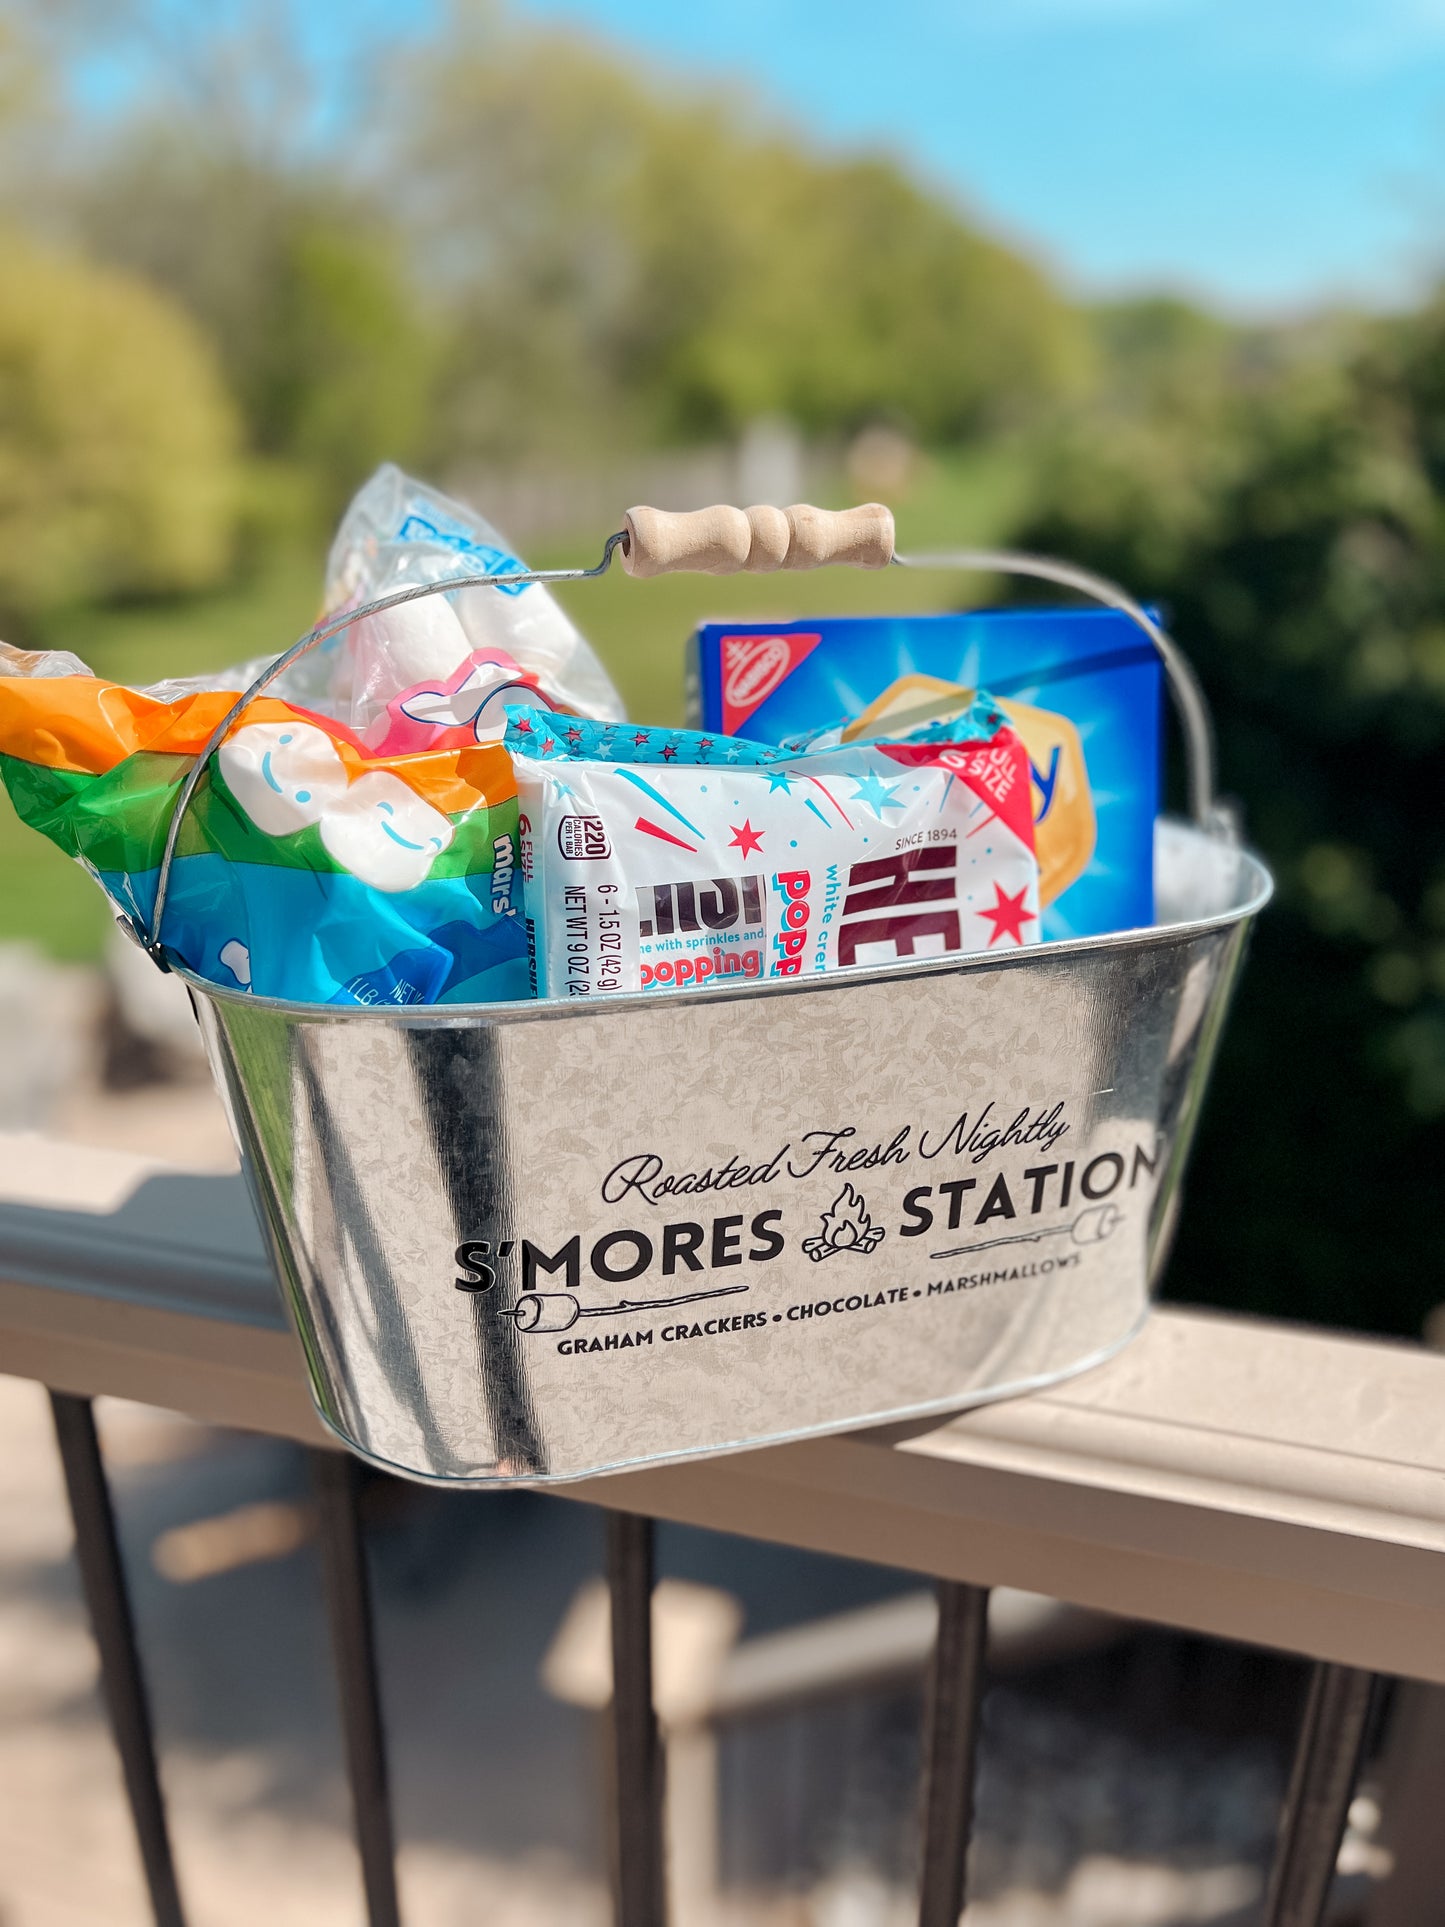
pixel 1083 688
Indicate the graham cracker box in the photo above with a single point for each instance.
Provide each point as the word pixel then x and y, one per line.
pixel 1083 687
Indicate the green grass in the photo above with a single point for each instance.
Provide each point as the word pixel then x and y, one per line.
pixel 638 628
pixel 45 898
pixel 189 635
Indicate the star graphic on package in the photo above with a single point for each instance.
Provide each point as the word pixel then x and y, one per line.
pixel 574 735
pixel 640 738
pixel 1007 915
pixel 549 746
pixel 780 780
pixel 874 792
pixel 522 726
pixel 745 839
pixel 669 750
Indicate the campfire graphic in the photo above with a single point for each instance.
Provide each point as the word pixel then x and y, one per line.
pixel 846 1227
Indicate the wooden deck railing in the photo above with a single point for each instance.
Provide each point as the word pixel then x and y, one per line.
pixel 1254 1481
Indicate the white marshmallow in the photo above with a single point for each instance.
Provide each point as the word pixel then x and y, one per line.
pixel 284 775
pixel 384 834
pixel 414 643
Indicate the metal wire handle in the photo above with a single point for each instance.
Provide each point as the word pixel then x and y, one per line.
pixel 1184 688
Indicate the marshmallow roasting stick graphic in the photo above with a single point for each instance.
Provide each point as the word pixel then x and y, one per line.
pixel 558 1311
pixel 1091 1227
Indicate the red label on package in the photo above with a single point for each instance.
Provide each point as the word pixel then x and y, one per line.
pixel 997 771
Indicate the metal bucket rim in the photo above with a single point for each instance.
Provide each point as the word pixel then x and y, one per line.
pixel 1257 887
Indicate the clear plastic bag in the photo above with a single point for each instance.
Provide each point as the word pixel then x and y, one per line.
pixel 439 659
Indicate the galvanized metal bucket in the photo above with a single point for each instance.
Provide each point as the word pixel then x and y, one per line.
pixel 531 1242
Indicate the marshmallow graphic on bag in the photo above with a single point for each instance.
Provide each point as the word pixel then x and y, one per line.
pixel 237 959
pixel 288 776
pixel 384 834
pixel 285 776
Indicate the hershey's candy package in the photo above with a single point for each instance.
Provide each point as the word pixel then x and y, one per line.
pixel 661 859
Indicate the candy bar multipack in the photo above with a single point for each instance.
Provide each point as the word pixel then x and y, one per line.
pixel 1082 688
pixel 663 859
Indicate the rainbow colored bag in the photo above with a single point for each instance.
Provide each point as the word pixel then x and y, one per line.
pixel 308 867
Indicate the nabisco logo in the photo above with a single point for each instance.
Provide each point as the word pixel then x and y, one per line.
pixel 753 666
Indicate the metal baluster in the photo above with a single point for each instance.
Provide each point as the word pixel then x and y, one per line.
pixel 1322 1784
pixel 337 1480
pixel 102 1576
pixel 950 1749
pixel 637 1754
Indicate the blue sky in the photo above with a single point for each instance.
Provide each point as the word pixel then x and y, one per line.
pixel 1265 154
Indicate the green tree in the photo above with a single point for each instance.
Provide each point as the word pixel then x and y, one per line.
pixel 1294 529
pixel 117 438
pixel 623 253
pixel 303 288
pixel 513 238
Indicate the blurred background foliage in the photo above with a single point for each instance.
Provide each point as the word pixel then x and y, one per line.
pixel 222 307
pixel 1292 524
pixel 118 439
